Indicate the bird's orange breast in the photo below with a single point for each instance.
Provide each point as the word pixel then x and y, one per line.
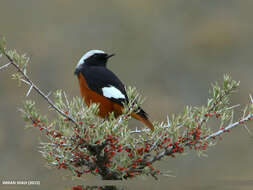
pixel 106 106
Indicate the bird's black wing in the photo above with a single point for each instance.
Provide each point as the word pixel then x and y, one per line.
pixel 98 78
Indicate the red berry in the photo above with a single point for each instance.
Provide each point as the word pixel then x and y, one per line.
pixel 119 150
pixel 78 187
pixel 64 166
pixel 120 168
pixel 139 160
pixel 106 150
pixel 112 153
pixel 146 149
pixel 134 165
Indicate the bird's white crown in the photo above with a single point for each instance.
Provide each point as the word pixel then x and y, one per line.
pixel 87 55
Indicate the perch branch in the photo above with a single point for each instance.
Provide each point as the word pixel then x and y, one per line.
pixel 37 89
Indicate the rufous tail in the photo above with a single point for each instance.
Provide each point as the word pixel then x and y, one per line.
pixel 144 120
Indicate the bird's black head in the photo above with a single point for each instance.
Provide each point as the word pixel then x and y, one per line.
pixel 93 58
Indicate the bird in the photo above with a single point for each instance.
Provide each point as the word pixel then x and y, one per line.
pixel 100 85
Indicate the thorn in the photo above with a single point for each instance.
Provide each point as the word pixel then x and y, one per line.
pixel 43 153
pixel 168 121
pixel 139 130
pixel 232 117
pixel 30 89
pixel 251 99
pixel 116 126
pixel 232 107
pixel 24 81
pixel 4 66
pixel 66 99
pixel 245 126
pixel 48 94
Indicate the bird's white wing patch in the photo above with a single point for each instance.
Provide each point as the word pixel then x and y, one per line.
pixel 112 92
pixel 87 55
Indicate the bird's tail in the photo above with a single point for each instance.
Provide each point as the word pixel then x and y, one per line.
pixel 142 116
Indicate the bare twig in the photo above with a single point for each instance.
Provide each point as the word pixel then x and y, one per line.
pixel 139 130
pixel 230 126
pixel 97 156
pixel 168 121
pixel 251 99
pixel 49 94
pixel 169 151
pixel 66 99
pixel 4 66
pixel 30 89
pixel 24 81
pixel 37 89
pixel 247 129
pixel 232 107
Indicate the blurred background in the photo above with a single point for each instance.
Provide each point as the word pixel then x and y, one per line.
pixel 170 50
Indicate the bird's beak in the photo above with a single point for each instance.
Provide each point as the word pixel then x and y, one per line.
pixel 110 55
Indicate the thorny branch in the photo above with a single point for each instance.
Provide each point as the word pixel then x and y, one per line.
pixel 109 149
pixel 36 88
pixel 169 150
pixel 230 126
